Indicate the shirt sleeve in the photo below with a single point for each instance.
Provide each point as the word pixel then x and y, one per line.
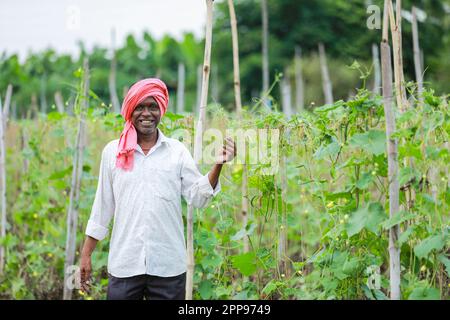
pixel 104 204
pixel 195 187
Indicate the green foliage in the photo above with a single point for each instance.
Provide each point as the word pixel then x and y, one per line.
pixel 334 197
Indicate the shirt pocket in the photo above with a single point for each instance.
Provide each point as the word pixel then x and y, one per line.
pixel 168 186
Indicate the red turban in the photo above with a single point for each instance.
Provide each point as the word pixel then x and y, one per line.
pixel 138 92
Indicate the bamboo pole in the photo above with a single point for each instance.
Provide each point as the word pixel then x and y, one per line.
pixel 376 69
pixel 286 97
pixel 237 96
pixel 43 96
pixel 236 73
pixel 326 82
pixel 112 75
pixel 265 49
pixel 417 61
pixel 72 214
pixel 283 263
pixel 299 86
pixel 214 82
pixel 196 108
pixel 392 150
pixel 8 96
pixel 180 87
pixel 59 101
pixel 198 146
pixel 24 145
pixel 402 102
pixel 282 232
pixel 2 188
pixel 34 106
pixel 395 23
pixel 14 110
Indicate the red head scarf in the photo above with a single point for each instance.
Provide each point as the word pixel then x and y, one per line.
pixel 138 92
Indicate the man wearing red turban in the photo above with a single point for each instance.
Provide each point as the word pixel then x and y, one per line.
pixel 142 177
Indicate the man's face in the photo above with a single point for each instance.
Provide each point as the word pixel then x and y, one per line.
pixel 146 116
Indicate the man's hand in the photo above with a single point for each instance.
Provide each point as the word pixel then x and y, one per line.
pixel 85 272
pixel 228 151
pixel 85 264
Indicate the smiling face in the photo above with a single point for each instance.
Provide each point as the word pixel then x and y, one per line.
pixel 146 117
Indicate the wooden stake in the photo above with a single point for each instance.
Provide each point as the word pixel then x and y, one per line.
pixel 24 145
pixel 326 82
pixel 283 262
pixel 214 82
pixel 14 110
pixel 112 75
pixel 196 108
pixel 72 214
pixel 376 69
pixel 237 96
pixel 286 97
pixel 395 22
pixel 417 61
pixel 265 48
pixel 6 106
pixel 392 153
pixel 2 188
pixel 180 88
pixel 299 89
pixel 198 146
pixel 59 101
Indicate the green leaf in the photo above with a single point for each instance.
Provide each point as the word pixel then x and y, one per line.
pixel 224 224
pixel 407 174
pixel 398 218
pixel 379 295
pixel 369 217
pixel 446 262
pixel 423 293
pixel 350 266
pixel 205 289
pixel 364 181
pixel 270 287
pixel 429 244
pixel 326 150
pixel 243 295
pixel 373 141
pixel 207 240
pixel 223 291
pixel 245 263
pixel 246 231
pixel 54 116
pixel 173 116
pixel 375 294
pixel 60 174
pixel 211 260
pixel 329 107
pixel 404 236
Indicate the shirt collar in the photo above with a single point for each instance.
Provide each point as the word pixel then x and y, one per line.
pixel 161 139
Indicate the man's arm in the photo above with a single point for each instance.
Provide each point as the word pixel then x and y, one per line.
pixel 101 215
pixel 214 174
pixel 86 265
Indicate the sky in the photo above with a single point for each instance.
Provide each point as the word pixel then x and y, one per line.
pixel 35 25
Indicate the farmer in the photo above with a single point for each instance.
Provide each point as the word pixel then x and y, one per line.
pixel 141 180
